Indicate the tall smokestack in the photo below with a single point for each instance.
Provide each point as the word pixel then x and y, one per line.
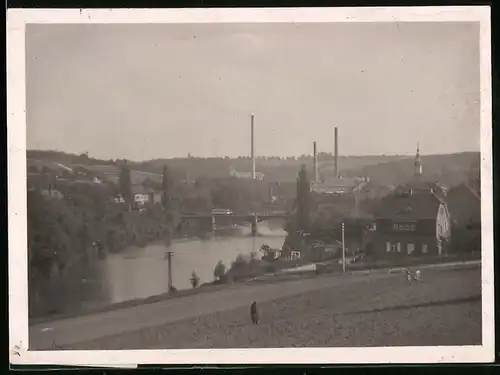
pixel 315 162
pixel 252 151
pixel 337 165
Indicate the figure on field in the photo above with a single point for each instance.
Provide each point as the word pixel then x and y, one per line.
pixel 410 277
pixel 417 275
pixel 254 313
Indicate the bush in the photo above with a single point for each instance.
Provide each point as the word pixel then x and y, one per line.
pixel 246 266
pixel 270 267
pixel 219 270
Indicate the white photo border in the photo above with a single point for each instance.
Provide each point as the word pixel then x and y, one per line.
pixel 17 225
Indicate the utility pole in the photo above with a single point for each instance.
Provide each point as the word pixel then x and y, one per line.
pixel 169 258
pixel 343 249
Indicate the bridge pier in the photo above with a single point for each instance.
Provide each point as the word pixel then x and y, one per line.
pixel 254 226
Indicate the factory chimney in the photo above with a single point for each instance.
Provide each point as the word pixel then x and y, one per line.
pixel 252 145
pixel 315 162
pixel 337 165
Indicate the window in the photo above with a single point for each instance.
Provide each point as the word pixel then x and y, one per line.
pixel 410 248
pixel 424 248
pixel 398 247
pixel 404 227
pixel 388 247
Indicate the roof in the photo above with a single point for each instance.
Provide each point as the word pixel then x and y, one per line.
pixel 139 189
pixel 414 206
pixel 463 189
pixel 344 182
pixel 464 204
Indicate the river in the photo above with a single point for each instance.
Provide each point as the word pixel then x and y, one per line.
pixel 143 272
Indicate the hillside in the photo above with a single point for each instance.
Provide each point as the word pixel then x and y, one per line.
pixel 275 169
pixel 448 169
pixel 108 172
pixel 383 170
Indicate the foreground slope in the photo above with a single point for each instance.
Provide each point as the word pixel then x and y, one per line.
pixel 362 310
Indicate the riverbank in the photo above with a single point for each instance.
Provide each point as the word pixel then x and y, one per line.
pixel 377 309
pixel 269 278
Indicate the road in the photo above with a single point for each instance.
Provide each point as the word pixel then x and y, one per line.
pixel 67 332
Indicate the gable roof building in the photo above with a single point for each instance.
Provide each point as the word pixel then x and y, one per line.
pixel 411 223
pixel 464 205
pixel 413 220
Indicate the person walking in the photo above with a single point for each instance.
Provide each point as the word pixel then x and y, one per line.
pixel 254 314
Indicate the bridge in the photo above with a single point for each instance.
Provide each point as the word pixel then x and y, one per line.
pixel 253 218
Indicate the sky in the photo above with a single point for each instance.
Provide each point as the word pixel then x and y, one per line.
pixel 148 91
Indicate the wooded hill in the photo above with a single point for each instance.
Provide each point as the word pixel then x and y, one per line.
pixel 449 169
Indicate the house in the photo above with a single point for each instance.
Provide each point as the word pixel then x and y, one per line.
pixel 155 197
pixel 339 185
pixel 411 223
pixel 464 205
pixel 413 220
pixel 246 175
pixel 271 254
pixel 320 252
pixel 141 198
pixel 144 196
pixel 119 199
pixel 289 254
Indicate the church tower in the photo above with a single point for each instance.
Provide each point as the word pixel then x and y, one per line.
pixel 418 164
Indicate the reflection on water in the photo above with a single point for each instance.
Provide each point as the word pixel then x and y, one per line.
pixel 143 272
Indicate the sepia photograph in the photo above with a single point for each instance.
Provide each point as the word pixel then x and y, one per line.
pixel 218 181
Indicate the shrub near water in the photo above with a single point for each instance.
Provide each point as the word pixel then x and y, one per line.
pixel 245 267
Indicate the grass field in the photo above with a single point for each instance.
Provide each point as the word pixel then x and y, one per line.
pixel 443 309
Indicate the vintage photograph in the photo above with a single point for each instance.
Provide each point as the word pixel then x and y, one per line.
pixel 241 185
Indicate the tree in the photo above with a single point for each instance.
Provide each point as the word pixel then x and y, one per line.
pixel 125 184
pixel 166 185
pixel 33 169
pixel 148 184
pixel 474 176
pixel 303 200
pixel 219 270
pixel 195 280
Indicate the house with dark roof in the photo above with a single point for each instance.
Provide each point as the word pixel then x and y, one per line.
pixel 411 223
pixel 464 205
pixel 144 196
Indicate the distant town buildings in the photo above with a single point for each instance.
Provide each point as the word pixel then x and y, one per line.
pixel 245 175
pixel 339 185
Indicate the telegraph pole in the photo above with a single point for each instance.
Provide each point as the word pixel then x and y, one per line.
pixel 343 249
pixel 169 258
